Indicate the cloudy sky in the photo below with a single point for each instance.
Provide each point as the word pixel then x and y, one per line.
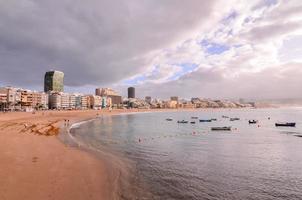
pixel 213 49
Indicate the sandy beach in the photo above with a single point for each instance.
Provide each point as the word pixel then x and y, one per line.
pixel 36 165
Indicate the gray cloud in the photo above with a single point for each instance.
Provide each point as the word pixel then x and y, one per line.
pixel 101 42
pixel 275 82
pixel 93 42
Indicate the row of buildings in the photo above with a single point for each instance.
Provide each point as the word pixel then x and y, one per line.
pixel 25 100
pixel 54 97
pixel 17 99
pixel 21 99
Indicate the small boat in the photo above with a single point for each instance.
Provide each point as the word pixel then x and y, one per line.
pixel 225 128
pixel 194 117
pixel 193 122
pixel 288 124
pixel 223 116
pixel 169 119
pixel 182 122
pixel 213 119
pixel 253 121
pixel 205 120
pixel 234 119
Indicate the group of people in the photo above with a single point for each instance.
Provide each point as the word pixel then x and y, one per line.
pixel 66 122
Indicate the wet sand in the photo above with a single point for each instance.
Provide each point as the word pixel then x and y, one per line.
pixel 36 165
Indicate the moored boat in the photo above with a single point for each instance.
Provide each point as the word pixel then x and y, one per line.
pixel 169 119
pixel 253 121
pixel 287 124
pixel 234 119
pixel 182 122
pixel 192 122
pixel 213 119
pixel 205 120
pixel 224 128
pixel 194 117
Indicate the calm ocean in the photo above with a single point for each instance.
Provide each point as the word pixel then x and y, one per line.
pixel 166 160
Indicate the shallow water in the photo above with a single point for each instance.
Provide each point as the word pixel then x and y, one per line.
pixel 166 160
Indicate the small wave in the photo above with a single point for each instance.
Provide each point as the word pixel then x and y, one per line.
pixel 78 124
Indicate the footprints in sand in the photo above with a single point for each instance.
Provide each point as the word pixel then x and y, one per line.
pixel 34 159
pixel 41 129
pixel 47 129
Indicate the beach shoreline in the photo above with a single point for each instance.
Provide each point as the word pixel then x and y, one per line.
pixel 39 164
pixel 36 164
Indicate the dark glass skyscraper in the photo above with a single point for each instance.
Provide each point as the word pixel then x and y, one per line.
pixel 131 92
pixel 54 81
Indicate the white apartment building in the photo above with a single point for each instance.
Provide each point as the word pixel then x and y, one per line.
pixel 72 101
pixel 95 101
pixel 84 102
pixel 55 101
pixel 65 100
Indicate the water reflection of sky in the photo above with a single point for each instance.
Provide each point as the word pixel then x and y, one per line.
pixel 189 161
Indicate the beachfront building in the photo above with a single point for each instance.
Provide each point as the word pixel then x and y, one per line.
pixel 54 81
pixel 105 92
pixel 3 99
pixel 13 98
pixel 109 102
pixel 137 103
pixel 55 100
pixel 10 98
pixel 148 99
pixel 185 104
pixel 65 101
pixel 104 102
pixel 171 104
pixel 157 103
pixel 78 104
pixel 84 102
pixel 27 100
pixel 131 92
pixel 60 100
pixel 95 102
pixel 116 101
pixel 72 101
pixel 113 98
pixel 21 99
pixel 39 100
pixel 174 98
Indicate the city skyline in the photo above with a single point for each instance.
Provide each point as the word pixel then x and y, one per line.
pixel 240 50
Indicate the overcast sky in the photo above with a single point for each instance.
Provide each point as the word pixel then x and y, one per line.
pixel 202 48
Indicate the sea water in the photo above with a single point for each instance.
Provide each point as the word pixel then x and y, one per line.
pixel 167 160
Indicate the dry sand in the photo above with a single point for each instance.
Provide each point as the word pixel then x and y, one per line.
pixel 36 165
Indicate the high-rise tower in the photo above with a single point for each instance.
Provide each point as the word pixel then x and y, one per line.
pixel 54 81
pixel 131 92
